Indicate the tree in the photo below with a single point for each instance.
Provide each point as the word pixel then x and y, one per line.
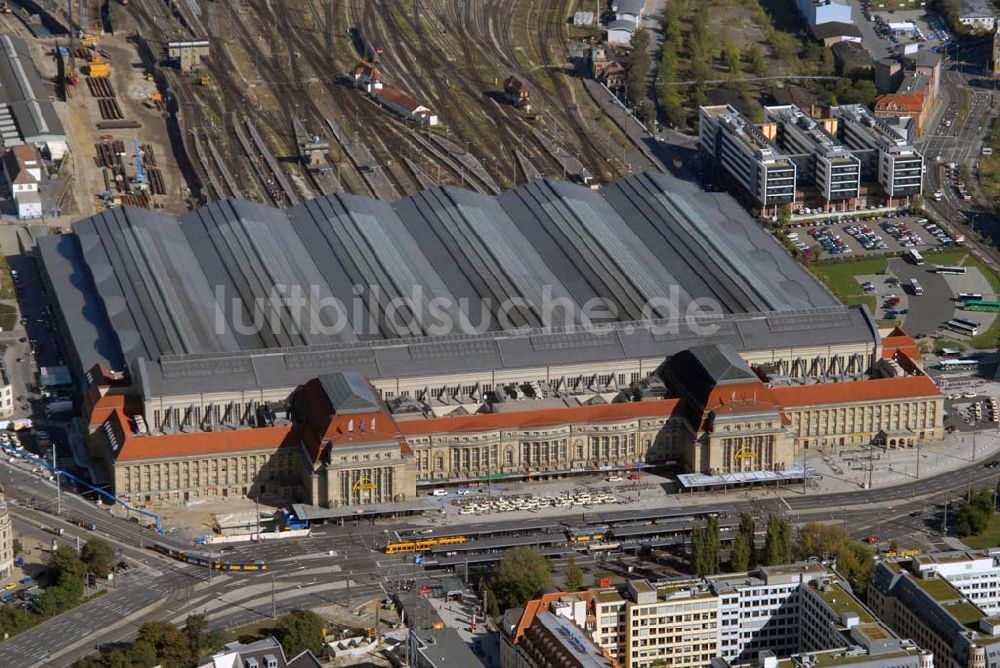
pixel 705 548
pixel 972 517
pixel 64 563
pixel 714 543
pixel 733 60
pixel 99 557
pixel 168 644
pixel 742 556
pixel 638 67
pixel 574 576
pixel 777 542
pixel 757 63
pixel 194 628
pixel 17 546
pixel 820 540
pixel 520 575
pixel 855 562
pixel 492 607
pixel 300 630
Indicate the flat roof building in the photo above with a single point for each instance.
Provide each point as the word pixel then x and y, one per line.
pixel 829 165
pixel 886 156
pixel 938 616
pixel 745 153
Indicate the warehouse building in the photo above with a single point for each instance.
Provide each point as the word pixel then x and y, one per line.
pixel 191 391
pixel 27 115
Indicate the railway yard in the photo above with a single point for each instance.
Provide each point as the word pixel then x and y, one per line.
pixel 280 71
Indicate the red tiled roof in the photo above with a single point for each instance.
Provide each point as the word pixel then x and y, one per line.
pixel 536 605
pixel 543 417
pixel 855 391
pixel 895 102
pixel 173 446
pixel 400 98
pixel 902 343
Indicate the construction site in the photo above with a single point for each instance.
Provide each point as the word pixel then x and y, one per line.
pixel 277 101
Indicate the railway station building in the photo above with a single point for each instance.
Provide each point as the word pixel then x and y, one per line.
pixel 298 355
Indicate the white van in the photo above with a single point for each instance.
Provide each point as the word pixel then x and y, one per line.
pixel 439 492
pixel 615 478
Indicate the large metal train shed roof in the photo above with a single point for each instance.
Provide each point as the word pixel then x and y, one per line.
pixel 179 292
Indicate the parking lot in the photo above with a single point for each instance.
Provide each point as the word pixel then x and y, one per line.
pixel 889 234
pixel 900 28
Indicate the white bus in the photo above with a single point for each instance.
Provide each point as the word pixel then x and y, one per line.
pixel 915 257
pixel 944 269
pixel 962 326
pixel 916 287
pixel 969 296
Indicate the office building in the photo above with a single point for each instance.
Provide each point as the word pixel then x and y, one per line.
pixel 647 623
pixel 831 168
pixel 919 604
pixel 766 174
pixel 975 573
pixel 795 614
pixel 886 157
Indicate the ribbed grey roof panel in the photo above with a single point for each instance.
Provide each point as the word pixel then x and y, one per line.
pixel 186 289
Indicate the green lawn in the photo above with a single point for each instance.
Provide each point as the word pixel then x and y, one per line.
pixel 8 317
pixel 841 279
pixel 6 282
pixel 957 256
pixel 990 537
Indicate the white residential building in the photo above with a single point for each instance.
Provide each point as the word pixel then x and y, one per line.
pixel 22 169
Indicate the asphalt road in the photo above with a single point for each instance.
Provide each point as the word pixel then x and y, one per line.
pixel 935 306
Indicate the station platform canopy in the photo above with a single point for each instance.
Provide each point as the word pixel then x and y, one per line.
pixel 309 513
pixel 700 481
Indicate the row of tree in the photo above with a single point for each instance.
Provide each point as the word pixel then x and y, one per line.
pixel 823 541
pixel 163 644
pixel 66 576
pixel 706 545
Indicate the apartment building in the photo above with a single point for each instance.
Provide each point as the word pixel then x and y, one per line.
pixel 830 166
pixel 939 617
pixel 747 156
pixel 886 157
